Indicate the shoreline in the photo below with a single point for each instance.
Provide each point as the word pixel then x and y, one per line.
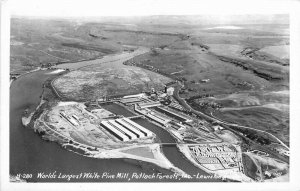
pixel 159 159
pixel 29 72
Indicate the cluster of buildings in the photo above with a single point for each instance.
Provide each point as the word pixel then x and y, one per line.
pixel 74 120
pixel 177 126
pixel 163 116
pixel 144 105
pixel 133 99
pixel 153 109
pixel 176 106
pixel 222 155
pixel 152 115
pixel 179 117
pixel 141 99
pixel 125 129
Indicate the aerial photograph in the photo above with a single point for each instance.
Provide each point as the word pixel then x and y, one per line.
pixel 156 98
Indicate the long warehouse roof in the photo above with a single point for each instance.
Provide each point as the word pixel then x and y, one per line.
pixel 116 131
pixel 126 131
pixel 173 114
pixel 128 126
pixel 138 126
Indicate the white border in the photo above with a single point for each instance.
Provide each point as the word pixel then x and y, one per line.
pixel 168 7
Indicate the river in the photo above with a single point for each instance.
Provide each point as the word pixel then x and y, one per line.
pixel 170 151
pixel 30 154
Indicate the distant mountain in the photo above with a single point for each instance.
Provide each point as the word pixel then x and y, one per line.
pixel 188 19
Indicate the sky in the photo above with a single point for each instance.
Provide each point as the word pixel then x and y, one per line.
pixel 98 8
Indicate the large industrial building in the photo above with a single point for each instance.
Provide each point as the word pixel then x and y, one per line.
pixel 134 126
pixel 158 118
pixel 152 115
pixel 139 99
pixel 173 114
pixel 136 131
pixel 125 129
pixel 114 131
pixel 149 104
pixel 130 100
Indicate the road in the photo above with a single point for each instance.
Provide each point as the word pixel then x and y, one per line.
pixel 213 119
pixel 176 95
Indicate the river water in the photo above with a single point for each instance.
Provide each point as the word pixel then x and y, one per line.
pixel 31 155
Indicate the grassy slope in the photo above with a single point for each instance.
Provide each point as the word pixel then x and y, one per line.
pixel 44 41
pixel 206 54
pixel 229 73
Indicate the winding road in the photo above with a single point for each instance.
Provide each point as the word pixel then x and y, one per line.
pixel 126 56
pixel 213 119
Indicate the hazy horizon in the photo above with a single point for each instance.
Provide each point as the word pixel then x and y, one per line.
pixel 231 11
pixel 182 19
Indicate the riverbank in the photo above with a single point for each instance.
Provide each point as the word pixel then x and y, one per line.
pixel 159 159
pixel 154 149
pixel 31 71
pixel 29 153
pixel 108 59
pixel 164 157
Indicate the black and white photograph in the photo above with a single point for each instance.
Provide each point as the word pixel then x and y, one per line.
pixel 151 92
